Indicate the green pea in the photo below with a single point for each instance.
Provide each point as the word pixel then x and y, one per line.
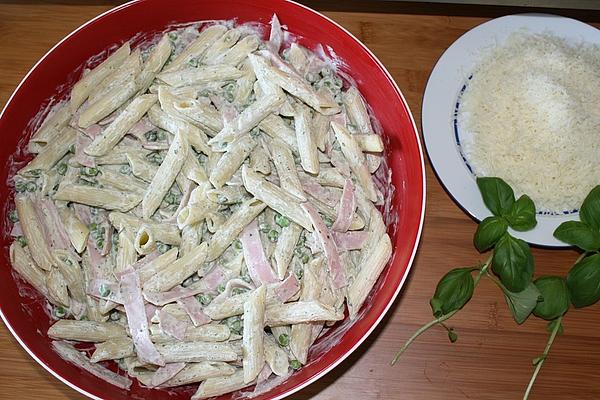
pixel 283 340
pixel 237 244
pixel 299 273
pixel 20 186
pixel 305 258
pixel 229 92
pixel 301 241
pixel 205 299
pixel 273 235
pixel 13 217
pixel 295 364
pixel 59 312
pixel 34 173
pixel 282 221
pixel 115 316
pixel 172 36
pixel 104 290
pixel 21 240
pixel 162 247
pixel 31 187
pixel 328 221
pixel 221 288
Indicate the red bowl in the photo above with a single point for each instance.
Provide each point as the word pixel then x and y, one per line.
pixel 24 313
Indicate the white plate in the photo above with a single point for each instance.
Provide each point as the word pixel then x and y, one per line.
pixel 442 132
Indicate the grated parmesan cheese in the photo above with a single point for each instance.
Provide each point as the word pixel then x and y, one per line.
pixel 532 108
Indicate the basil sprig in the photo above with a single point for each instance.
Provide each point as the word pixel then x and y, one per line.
pixel 510 265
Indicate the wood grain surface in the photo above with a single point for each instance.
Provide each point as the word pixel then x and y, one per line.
pixel 492 358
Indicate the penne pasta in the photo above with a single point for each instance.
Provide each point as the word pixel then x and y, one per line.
pixel 113 349
pixel 197 48
pixel 200 371
pixel 53 152
pixel 307 146
pixel 106 105
pixel 109 199
pixel 231 161
pixel 165 176
pixel 230 230
pixel 34 233
pixel 82 89
pixel 117 129
pixel 253 336
pixel 178 271
pixel 196 351
pixel 156 60
pixel 27 269
pixel 356 160
pixel 275 197
pixel 368 274
pixel 86 331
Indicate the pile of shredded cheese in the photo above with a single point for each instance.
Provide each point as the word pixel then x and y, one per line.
pixel 533 109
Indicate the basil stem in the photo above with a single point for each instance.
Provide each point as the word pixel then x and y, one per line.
pixel 543 357
pixel 439 320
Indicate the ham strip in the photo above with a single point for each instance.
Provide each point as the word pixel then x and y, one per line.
pixel 326 195
pixel 165 373
pixel 254 254
pixel 171 325
pixel 16 230
pixel 346 209
pixel 93 130
pixel 194 310
pixel 140 129
pixel 151 309
pixel 137 319
pixel 334 264
pixel 83 213
pixel 211 281
pixel 288 288
pixel 353 240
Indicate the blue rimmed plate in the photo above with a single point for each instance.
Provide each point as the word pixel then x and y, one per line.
pixel 441 105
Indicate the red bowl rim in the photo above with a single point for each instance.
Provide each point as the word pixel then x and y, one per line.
pixel 415 131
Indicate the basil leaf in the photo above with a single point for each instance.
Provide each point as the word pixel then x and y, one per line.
pixel 583 281
pixel 489 231
pixel 513 263
pixel 521 216
pixel 578 234
pixel 497 195
pixel 453 291
pixel 555 296
pixel 590 209
pixel 522 303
